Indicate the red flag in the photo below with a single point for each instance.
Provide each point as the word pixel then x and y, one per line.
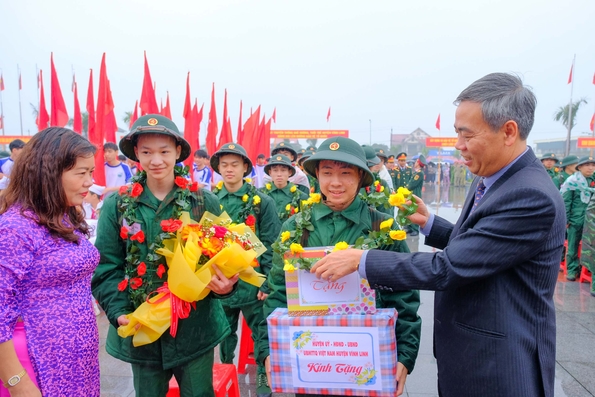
pixel 1 83
pixel 96 136
pixel 593 78
pixel 167 108
pixel 240 133
pixel 196 120
pixel 90 108
pixel 43 118
pixel 212 127
pixel 265 139
pixel 251 130
pixel 77 125
pixel 134 116
pixel 225 136
pixel 59 115
pixel 592 124
pixel 1 122
pixel 328 115
pixel 570 75
pixel 104 108
pixel 438 122
pixel 188 127
pixel 148 103
pixel 274 116
pixel 111 125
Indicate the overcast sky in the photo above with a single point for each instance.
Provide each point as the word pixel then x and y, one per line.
pixel 396 63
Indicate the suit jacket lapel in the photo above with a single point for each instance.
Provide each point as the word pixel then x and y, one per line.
pixel 466 207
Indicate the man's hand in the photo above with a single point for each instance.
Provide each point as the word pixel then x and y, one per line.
pixel 261 296
pixel 337 264
pixel 422 215
pixel 220 284
pixel 401 378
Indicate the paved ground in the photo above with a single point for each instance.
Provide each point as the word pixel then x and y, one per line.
pixel 575 310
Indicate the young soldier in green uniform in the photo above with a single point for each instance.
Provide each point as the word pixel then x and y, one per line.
pixel 549 161
pixel 243 203
pixel 299 178
pixel 314 188
pixel 288 198
pixel 402 172
pixel 341 216
pixel 121 284
pixel 415 185
pixel 577 191
pixel 588 248
pixel 567 168
pixel 378 186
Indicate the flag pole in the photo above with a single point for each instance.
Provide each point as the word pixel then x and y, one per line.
pixel 20 107
pixel 1 105
pixel 567 152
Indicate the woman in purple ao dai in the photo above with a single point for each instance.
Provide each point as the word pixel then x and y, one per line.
pixel 48 332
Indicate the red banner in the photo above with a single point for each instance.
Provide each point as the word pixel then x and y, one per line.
pixel 6 139
pixel 308 134
pixel 440 142
pixel 586 142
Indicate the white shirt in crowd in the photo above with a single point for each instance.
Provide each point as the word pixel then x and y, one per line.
pixel 259 176
pixel 117 175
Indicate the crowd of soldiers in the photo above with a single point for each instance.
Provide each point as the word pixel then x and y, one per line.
pixel 575 178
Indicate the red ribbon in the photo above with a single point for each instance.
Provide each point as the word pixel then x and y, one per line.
pixel 180 309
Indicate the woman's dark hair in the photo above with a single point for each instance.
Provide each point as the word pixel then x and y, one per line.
pixel 36 181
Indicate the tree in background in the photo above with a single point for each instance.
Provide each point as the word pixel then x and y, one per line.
pixel 561 114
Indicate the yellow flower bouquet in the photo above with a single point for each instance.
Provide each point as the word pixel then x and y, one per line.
pixel 191 249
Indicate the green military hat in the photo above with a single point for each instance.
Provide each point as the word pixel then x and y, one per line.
pixel 285 146
pixel 568 160
pixel 391 158
pixel 311 148
pixel 231 148
pixel 549 156
pixel 307 154
pixel 585 160
pixel 381 153
pixel 402 156
pixel 280 159
pixel 371 157
pixel 153 124
pixel 302 151
pixel 344 150
pixel 422 160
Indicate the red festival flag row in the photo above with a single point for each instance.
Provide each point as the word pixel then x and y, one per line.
pixel 43 118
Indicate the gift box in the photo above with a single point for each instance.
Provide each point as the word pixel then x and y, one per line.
pixel 349 354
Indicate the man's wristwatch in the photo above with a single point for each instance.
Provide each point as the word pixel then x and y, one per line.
pixel 14 380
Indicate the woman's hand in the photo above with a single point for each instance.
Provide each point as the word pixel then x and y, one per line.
pixel 25 388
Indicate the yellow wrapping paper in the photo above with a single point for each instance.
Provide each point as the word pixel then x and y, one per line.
pixel 152 318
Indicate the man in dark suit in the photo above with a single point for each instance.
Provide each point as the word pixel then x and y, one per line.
pixel 494 318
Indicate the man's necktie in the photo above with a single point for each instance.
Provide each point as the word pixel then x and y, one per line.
pixel 479 192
